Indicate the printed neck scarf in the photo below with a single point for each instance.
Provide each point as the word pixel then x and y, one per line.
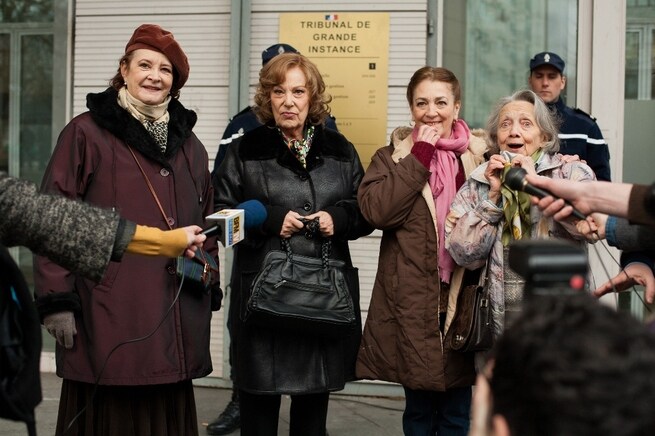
pixel 516 208
pixel 300 147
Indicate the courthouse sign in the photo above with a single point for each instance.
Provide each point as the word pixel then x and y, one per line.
pixel 351 51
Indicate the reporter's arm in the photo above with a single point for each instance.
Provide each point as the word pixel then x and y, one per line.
pixel 628 237
pixel 641 205
pixel 151 241
pixel 594 196
pixel 79 237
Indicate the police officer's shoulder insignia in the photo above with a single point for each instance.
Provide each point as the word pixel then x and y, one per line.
pixel 577 110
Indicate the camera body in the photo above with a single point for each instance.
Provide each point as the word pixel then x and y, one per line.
pixel 549 266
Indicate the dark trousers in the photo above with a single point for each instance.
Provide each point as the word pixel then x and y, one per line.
pixel 260 414
pixel 430 413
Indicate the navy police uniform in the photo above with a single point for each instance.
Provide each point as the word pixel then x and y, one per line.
pixel 579 134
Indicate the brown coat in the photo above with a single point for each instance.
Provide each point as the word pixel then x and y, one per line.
pixel 401 341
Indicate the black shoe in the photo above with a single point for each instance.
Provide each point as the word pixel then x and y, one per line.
pixel 228 421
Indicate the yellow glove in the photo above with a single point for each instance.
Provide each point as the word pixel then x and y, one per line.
pixel 151 241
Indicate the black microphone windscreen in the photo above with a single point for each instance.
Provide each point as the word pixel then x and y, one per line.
pixel 515 178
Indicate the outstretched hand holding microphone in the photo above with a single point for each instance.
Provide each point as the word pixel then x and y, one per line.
pixel 596 199
pixel 518 179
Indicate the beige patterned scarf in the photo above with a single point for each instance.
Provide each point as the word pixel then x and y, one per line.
pixel 153 117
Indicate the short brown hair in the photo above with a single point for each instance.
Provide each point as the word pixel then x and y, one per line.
pixel 434 74
pixel 274 73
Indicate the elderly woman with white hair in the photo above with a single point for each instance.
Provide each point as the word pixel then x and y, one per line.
pixel 486 215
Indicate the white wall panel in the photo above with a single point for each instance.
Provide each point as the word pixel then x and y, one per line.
pixel 99 44
pixel 144 7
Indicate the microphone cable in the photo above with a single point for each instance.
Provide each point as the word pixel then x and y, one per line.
pixel 116 347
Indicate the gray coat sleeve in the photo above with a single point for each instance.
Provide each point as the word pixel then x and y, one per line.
pixel 79 237
pixel 633 237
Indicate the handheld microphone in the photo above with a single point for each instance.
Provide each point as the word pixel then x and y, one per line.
pixel 229 224
pixel 515 180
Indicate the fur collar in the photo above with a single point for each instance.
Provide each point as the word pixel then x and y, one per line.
pixel 264 143
pixel 106 112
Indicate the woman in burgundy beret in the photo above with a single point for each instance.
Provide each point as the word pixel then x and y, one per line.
pixel 130 343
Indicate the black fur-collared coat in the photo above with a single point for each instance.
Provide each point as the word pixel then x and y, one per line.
pixel 260 166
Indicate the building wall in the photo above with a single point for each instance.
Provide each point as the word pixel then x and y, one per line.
pixel 218 43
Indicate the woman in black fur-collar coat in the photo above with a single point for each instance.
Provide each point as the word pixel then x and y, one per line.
pixel 299 171
pixel 135 133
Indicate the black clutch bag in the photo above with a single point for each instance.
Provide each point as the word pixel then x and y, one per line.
pixel 302 293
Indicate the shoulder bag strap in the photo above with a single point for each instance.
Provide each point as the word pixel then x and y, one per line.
pixel 152 190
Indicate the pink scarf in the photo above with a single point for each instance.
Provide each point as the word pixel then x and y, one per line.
pixel 444 167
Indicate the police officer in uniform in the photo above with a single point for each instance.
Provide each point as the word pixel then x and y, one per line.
pixel 579 134
pixel 230 419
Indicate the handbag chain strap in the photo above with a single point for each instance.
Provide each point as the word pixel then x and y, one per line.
pixel 326 247
pixel 161 209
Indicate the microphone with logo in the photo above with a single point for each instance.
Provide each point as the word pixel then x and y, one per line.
pixel 515 180
pixel 230 224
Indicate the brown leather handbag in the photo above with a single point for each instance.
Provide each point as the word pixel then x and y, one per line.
pixel 471 326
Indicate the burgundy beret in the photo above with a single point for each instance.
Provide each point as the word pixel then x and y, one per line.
pixel 153 37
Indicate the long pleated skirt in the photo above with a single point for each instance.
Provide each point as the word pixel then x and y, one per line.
pixel 162 410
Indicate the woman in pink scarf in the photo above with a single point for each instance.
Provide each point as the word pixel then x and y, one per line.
pixel 406 192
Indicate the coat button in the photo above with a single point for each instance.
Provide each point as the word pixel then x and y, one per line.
pixel 170 221
pixel 164 172
pixel 170 269
pixel 303 177
pixel 307 207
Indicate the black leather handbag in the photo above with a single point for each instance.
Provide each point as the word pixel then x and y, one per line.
pixel 302 293
pixel 471 327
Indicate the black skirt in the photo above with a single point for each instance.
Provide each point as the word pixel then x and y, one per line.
pixel 163 410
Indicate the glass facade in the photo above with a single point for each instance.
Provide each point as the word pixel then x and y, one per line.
pixel 488 45
pixel 26 94
pixel 4 102
pixel 640 50
pixel 27 11
pixel 35 120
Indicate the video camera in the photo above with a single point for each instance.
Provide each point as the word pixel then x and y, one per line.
pixel 549 266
